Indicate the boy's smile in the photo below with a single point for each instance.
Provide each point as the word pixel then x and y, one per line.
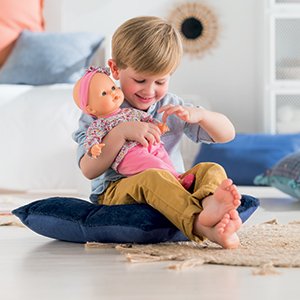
pixel 145 100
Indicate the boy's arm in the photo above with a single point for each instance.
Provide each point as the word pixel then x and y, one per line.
pixel 94 167
pixel 217 125
pixel 141 132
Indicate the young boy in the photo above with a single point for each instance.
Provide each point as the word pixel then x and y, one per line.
pixel 145 52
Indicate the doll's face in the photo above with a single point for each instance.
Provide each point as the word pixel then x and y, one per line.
pixel 104 96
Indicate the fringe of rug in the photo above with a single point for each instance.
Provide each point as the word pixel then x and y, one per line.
pixel 264 246
pixel 8 219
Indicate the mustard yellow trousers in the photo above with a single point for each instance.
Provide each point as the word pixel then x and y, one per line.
pixel 161 190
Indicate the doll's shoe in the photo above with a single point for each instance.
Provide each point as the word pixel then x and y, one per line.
pixel 187 181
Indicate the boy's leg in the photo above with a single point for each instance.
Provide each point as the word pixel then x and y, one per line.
pixel 224 232
pixel 161 190
pixel 208 176
pixel 219 195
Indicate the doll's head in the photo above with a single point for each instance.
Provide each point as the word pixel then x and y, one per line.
pixel 96 94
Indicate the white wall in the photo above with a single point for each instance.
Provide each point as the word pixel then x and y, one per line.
pixel 229 77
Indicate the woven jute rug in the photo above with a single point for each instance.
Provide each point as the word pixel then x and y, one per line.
pixel 8 219
pixel 265 246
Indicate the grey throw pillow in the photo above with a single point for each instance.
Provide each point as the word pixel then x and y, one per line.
pixel 41 58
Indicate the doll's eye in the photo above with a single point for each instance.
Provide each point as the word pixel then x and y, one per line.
pixel 103 94
pixel 113 88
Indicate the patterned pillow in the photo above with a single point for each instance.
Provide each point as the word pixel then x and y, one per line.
pixel 285 175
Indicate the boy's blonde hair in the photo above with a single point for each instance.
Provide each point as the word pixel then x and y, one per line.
pixel 149 45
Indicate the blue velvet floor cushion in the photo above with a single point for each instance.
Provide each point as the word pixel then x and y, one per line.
pixel 76 220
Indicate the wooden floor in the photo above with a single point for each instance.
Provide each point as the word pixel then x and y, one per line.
pixel 34 267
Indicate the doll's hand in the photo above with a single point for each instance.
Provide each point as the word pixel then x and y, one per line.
pixel 96 150
pixel 163 127
pixel 187 114
pixel 142 132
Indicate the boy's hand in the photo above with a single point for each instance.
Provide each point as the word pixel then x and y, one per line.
pixel 141 132
pixel 187 114
pixel 217 125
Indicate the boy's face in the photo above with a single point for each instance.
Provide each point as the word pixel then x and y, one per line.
pixel 142 90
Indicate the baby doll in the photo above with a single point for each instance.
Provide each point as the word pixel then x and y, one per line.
pixel 97 95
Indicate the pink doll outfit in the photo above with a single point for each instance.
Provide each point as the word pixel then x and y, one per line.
pixel 133 158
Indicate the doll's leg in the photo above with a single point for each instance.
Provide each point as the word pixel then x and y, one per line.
pixel 139 159
pixel 159 151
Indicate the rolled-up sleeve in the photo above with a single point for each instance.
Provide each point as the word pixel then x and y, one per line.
pixel 197 134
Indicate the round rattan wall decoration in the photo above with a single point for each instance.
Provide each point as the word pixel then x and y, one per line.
pixel 198 26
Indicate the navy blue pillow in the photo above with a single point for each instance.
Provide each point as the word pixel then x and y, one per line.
pixel 249 155
pixel 76 220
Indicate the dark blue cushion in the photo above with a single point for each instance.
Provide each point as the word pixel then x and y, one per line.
pixel 249 155
pixel 76 220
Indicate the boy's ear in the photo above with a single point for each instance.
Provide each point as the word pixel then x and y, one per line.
pixel 114 69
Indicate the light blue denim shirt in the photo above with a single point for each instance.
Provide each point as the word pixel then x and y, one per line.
pixel 171 140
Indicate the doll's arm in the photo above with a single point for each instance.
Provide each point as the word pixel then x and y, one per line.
pixel 161 126
pixel 96 150
pixel 92 168
pixel 93 142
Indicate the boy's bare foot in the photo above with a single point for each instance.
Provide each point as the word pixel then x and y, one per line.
pixel 224 232
pixel 225 198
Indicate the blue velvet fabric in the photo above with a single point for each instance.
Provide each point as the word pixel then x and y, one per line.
pixel 76 220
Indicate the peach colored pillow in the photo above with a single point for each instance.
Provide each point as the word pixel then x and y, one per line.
pixel 15 16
